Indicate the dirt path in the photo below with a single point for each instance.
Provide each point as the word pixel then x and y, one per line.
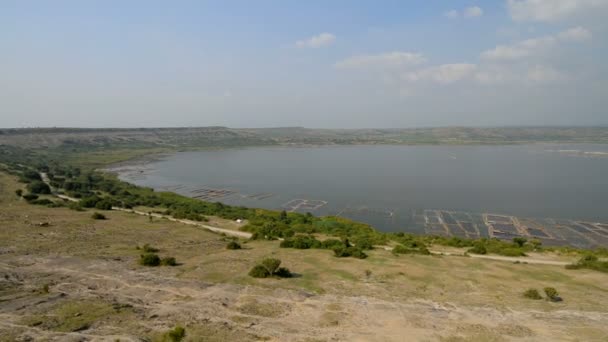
pixel 523 260
pixel 231 232
pixel 244 235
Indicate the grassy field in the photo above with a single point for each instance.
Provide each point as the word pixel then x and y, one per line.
pixel 66 276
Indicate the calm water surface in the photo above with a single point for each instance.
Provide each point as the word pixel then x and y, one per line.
pixel 385 185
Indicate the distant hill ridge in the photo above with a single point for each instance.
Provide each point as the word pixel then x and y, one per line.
pixel 185 137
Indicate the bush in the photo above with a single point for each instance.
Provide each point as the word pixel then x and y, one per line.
pixel 478 248
pixel 149 259
pixel 259 271
pixel 19 192
pixel 344 252
pixel 30 197
pixel 512 252
pixel 42 201
pixel 552 294
pixel 31 175
pixel 268 268
pixel 532 294
pixel 271 264
pixel 168 261
pixel 591 262
pixel 98 216
pixel 520 241
pixel 233 245
pixel 363 244
pixel 400 249
pixel 176 334
pixel 38 187
pixel 148 249
pixel 90 201
pixel 331 244
pixel 103 205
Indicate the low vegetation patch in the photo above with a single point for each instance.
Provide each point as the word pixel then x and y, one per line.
pixel 552 294
pixel 39 187
pixel 98 216
pixel 270 268
pixel 177 334
pixel 149 259
pixel 591 262
pixel 147 248
pixel 342 248
pixel 168 261
pixel 401 249
pixel 233 245
pixel 532 294
pixel 77 315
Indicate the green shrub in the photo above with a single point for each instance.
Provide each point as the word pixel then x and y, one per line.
pixel 478 248
pixel 176 334
pixel 103 205
pixel 591 262
pixel 19 192
pixel 149 259
pixel 30 197
pixel 552 294
pixel 259 271
pixel 98 216
pixel 331 243
pixel 89 201
pixel 147 248
pixel 532 294
pixel 233 245
pixel 520 241
pixel 344 252
pixel 42 201
pixel 363 243
pixel 512 252
pixel 38 187
pixel 268 268
pixel 168 261
pixel 271 264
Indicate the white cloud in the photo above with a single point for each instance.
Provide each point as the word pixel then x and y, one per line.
pixel 550 10
pixel 576 34
pixel 321 40
pixel 443 74
pixel 390 59
pixel 481 74
pixel 452 14
pixel 469 12
pixel 543 74
pixel 472 12
pixel 532 46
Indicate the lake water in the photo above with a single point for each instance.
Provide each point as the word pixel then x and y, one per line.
pixel 387 185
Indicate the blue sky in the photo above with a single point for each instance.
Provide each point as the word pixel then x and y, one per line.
pixel 303 63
